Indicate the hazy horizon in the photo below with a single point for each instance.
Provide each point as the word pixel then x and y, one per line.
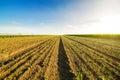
pixel 59 17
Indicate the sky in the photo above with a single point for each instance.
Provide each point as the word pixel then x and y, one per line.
pixel 59 16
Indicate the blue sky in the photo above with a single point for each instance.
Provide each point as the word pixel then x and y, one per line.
pixel 59 16
pixel 27 11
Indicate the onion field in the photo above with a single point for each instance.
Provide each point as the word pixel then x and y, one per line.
pixel 66 57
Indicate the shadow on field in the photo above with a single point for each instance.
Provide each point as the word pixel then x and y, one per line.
pixel 63 64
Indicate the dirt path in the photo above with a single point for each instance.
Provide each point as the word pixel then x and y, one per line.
pixel 63 64
pixel 58 68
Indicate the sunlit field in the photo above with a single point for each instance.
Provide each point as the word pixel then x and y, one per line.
pixel 59 39
pixel 66 57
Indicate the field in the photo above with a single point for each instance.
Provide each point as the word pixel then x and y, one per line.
pixel 66 57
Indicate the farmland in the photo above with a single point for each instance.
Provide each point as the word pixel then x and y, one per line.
pixel 66 57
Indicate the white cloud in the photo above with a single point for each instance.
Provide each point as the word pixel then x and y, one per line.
pixel 40 29
pixel 97 16
pixel 14 23
pixel 15 30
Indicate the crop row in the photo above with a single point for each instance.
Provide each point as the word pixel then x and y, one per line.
pixel 93 62
pixel 18 65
